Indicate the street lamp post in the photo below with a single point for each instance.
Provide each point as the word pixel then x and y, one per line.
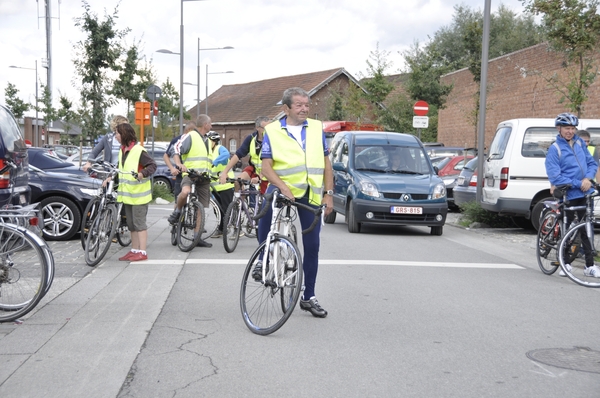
pixel 211 73
pixel 36 140
pixel 198 68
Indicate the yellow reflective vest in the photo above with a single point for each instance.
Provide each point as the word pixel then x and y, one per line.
pixel 299 169
pixel 197 158
pixel 132 191
pixel 215 170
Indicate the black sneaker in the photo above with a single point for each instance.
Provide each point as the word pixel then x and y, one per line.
pixel 174 217
pixel 312 305
pixel 203 243
pixel 257 271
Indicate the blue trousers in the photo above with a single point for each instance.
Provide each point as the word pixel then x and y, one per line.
pixel 311 243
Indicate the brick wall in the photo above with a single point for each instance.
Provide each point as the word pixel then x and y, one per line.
pixel 515 90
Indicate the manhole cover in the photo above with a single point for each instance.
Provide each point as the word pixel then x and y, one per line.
pixel 582 359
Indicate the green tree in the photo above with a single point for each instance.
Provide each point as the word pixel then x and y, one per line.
pixel 424 72
pixel 573 30
pixel 68 115
pixel 458 46
pixel 50 113
pixel 377 86
pixel 133 79
pixel 168 109
pixel 96 56
pixel 15 104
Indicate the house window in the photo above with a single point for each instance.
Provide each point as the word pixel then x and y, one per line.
pixel 232 145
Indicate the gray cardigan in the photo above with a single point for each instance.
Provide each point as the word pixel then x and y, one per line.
pixel 105 145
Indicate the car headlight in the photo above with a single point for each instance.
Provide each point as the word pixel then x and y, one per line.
pixel 90 191
pixel 369 189
pixel 439 191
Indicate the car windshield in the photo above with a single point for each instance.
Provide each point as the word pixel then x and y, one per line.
pixel 443 162
pixel 472 164
pixel 391 159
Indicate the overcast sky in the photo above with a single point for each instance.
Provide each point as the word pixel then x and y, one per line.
pixel 271 38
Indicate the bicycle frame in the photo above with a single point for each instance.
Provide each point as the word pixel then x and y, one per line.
pixel 281 219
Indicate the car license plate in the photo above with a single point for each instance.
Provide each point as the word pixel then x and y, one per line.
pixel 22 199
pixel 406 210
pixel 489 182
pixel 461 180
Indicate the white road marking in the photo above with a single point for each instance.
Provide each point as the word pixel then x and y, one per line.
pixel 375 262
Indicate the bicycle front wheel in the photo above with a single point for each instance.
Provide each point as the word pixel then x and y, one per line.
pixel 100 235
pixel 572 260
pixel 213 219
pixel 266 304
pixel 189 228
pixel 231 226
pixel 24 272
pixel 90 212
pixel 548 239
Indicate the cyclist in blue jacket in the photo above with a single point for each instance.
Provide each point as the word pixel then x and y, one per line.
pixel 569 162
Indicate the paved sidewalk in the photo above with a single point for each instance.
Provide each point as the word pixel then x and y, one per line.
pixel 93 322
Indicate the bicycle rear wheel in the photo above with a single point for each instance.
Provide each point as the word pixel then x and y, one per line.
pixel 231 226
pixel 100 235
pixel 189 231
pixel 90 212
pixel 213 219
pixel 267 305
pixel 570 253
pixel 24 271
pixel 548 239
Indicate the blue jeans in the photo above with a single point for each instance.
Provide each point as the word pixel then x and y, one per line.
pixel 311 243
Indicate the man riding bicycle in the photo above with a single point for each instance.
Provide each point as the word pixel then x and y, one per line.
pixel 191 152
pixel 569 162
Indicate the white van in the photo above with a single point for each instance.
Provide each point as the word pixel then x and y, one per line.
pixel 515 179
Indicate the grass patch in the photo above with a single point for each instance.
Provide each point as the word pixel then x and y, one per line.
pixel 160 191
pixel 473 212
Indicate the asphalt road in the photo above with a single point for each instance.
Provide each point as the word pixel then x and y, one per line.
pixel 466 314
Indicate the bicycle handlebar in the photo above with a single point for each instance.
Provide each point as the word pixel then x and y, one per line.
pixel 284 200
pixel 239 180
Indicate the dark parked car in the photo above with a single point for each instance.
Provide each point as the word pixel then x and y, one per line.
pixel 13 181
pixel 466 185
pixel 63 198
pixel 369 189
pixel 45 159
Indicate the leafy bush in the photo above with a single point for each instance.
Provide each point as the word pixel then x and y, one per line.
pixel 473 212
pixel 160 191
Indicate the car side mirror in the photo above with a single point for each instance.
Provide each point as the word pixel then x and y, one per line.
pixel 339 166
pixel 436 170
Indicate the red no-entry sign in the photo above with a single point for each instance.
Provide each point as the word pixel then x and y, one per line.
pixel 421 108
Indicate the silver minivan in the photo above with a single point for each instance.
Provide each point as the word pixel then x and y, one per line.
pixel 515 181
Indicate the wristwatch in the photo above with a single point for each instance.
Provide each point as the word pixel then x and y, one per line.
pixel 329 192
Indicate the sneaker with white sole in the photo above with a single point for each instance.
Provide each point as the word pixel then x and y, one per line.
pixel 562 273
pixel 593 271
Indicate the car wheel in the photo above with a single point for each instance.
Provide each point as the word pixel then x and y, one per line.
pixel 330 218
pixel 162 182
pixel 536 212
pixel 61 218
pixel 353 226
pixel 438 230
